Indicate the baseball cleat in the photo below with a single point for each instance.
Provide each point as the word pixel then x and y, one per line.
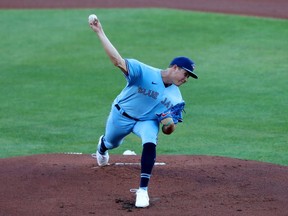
pixel 102 159
pixel 142 198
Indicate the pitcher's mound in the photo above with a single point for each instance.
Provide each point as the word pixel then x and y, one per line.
pixel 61 184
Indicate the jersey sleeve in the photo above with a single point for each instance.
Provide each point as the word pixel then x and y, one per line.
pixel 134 70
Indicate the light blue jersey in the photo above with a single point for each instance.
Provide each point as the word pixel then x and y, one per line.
pixel 145 93
pixel 142 107
pixel 144 96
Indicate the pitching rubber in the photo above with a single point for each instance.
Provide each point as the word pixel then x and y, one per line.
pixel 133 164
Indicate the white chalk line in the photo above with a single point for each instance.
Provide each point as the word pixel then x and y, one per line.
pixel 133 164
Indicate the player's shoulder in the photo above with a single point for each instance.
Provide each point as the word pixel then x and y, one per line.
pixel 134 64
pixel 132 61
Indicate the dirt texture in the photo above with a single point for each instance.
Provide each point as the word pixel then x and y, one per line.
pixel 63 184
pixel 68 184
pixel 266 8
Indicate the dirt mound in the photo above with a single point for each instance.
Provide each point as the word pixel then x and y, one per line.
pixel 60 184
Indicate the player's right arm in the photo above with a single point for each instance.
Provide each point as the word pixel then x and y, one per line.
pixel 111 51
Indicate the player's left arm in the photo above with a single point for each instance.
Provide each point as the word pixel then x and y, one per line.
pixel 171 117
pixel 168 126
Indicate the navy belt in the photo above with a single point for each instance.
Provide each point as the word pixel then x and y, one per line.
pixel 124 113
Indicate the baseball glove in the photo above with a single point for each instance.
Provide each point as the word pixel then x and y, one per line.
pixel 174 112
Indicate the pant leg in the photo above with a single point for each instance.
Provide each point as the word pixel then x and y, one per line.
pixel 147 131
pixel 117 127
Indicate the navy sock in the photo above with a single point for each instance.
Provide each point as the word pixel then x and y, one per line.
pixel 147 162
pixel 102 148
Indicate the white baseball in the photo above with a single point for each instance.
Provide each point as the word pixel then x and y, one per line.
pixel 92 18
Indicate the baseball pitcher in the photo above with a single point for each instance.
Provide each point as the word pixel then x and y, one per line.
pixel 150 100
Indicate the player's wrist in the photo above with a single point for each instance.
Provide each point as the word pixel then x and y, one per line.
pixel 167 121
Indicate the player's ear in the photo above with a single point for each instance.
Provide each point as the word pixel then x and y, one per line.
pixel 174 67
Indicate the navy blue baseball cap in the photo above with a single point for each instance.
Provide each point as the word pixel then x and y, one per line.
pixel 186 64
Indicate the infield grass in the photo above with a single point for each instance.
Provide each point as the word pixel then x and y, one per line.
pixel 57 85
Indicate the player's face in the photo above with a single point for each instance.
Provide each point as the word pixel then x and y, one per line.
pixel 181 76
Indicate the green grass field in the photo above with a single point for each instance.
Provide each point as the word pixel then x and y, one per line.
pixel 57 84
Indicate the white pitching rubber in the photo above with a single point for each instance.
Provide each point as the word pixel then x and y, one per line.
pixel 132 164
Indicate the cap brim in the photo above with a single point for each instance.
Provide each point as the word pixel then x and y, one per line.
pixel 191 73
